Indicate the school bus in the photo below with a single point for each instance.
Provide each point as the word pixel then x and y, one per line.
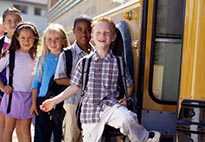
pixel 164 49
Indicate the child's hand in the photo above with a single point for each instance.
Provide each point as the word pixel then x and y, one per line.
pixel 7 89
pixel 47 105
pixel 34 109
pixel 123 101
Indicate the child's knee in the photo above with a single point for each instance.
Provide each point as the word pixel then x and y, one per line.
pixel 129 120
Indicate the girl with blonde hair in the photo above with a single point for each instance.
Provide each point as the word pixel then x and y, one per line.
pixel 53 41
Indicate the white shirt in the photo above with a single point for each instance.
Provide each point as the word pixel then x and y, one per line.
pixel 77 54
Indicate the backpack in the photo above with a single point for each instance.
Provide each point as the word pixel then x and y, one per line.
pixel 122 87
pixel 1 43
pixel 11 69
pixel 68 61
pixel 3 73
pixel 53 87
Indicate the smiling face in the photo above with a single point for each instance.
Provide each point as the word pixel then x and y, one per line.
pixel 53 41
pixel 103 34
pixel 26 39
pixel 82 31
pixel 10 22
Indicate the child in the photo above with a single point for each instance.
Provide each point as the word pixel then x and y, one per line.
pixel 54 40
pixel 81 47
pixel 23 50
pixel 10 18
pixel 100 105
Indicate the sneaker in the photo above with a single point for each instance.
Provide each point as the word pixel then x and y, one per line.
pixel 154 136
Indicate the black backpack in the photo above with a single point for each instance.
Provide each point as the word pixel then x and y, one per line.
pixel 11 70
pixel 69 61
pixel 122 87
pixel 54 88
pixel 1 43
pixel 3 72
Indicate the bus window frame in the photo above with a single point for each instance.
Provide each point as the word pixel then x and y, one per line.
pixel 151 71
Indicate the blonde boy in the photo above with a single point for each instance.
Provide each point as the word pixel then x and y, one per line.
pixel 100 105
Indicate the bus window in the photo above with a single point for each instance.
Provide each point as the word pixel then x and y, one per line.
pixel 166 50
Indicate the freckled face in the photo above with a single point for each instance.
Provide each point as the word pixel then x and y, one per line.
pixel 102 35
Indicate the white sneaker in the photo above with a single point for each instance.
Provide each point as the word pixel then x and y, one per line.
pixel 155 138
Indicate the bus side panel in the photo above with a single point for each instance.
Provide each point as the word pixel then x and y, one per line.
pixel 193 69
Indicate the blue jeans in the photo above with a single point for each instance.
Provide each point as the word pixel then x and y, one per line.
pixel 46 124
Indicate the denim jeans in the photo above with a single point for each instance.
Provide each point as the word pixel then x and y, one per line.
pixel 46 124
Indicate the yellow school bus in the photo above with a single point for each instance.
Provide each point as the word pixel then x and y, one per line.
pixel 167 62
pixel 164 46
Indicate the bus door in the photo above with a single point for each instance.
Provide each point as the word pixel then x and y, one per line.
pixel 191 108
pixel 161 53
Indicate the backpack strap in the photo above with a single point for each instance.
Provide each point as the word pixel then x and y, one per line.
pixel 85 73
pixel 122 85
pixel 11 69
pixel 68 61
pixel 1 44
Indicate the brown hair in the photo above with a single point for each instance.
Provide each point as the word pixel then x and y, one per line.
pixel 15 43
pixel 12 10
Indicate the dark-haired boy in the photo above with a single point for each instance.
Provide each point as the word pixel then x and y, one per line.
pixel 81 47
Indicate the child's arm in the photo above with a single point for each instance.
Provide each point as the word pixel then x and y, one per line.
pixel 34 102
pixel 36 83
pixel 4 62
pixel 68 92
pixel 5 88
pixel 63 81
pixel 61 77
pixel 49 104
pixel 130 90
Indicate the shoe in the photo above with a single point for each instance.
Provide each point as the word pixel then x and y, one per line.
pixel 154 136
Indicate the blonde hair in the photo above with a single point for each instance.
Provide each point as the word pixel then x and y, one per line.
pixel 106 20
pixel 53 27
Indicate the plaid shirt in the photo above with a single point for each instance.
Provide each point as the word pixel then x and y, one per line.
pixel 101 87
pixel 77 54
